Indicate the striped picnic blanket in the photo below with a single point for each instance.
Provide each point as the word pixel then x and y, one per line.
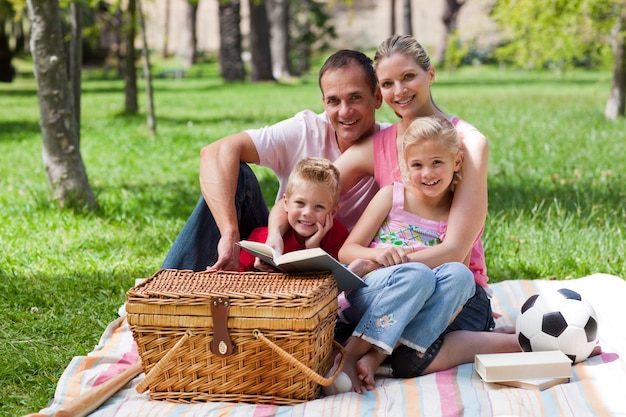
pixel 597 388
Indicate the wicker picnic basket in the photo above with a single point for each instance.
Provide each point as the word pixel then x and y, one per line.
pixel 227 336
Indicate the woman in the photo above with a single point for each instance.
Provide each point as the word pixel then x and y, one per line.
pixel 405 76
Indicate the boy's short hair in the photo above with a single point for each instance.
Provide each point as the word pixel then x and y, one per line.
pixel 318 171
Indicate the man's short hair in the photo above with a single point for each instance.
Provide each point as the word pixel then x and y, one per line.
pixel 346 57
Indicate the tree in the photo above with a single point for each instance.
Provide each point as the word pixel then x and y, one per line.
pixel 166 30
pixel 7 72
pixel 147 72
pixel 66 173
pixel 407 17
pixel 231 63
pixel 278 14
pixel 393 17
pixel 190 42
pixel 449 18
pixel 131 105
pixel 616 103
pixel 560 34
pixel 76 60
pixel 261 68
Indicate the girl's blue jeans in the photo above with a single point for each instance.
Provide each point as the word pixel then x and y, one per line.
pixel 195 247
pixel 409 303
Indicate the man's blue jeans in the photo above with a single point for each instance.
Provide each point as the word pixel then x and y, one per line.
pixel 195 247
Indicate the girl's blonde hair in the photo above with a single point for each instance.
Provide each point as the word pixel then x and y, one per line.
pixel 435 128
pixel 317 171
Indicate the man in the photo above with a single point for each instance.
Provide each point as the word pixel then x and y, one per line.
pixel 232 205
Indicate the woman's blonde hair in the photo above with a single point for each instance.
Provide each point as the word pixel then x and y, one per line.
pixel 435 128
pixel 405 45
pixel 409 46
pixel 318 171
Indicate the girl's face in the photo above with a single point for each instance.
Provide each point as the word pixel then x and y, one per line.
pixel 431 167
pixel 405 86
pixel 308 205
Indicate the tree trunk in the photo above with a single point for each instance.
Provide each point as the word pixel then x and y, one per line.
pixel 278 12
pixel 231 63
pixel 449 18
pixel 7 72
pixel 147 73
pixel 261 68
pixel 166 30
pixel 407 24
pixel 191 41
pixel 66 173
pixel 130 72
pixel 615 105
pixel 76 61
pixel 393 17
pixel 304 37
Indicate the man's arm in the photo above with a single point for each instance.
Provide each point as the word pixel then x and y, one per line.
pixel 219 171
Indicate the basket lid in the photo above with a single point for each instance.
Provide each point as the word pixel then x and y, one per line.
pixel 251 294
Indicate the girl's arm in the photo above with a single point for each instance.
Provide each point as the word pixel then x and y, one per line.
pixel 469 207
pixel 357 243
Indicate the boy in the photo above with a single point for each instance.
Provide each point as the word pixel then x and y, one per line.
pixel 311 201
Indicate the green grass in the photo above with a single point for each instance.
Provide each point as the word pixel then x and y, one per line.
pixel 556 183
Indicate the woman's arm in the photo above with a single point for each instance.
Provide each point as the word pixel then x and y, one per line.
pixel 469 207
pixel 355 163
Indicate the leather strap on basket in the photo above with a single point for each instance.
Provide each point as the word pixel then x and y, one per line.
pixel 303 368
pixel 221 345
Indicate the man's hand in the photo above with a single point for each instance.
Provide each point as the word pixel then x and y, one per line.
pixel 315 239
pixel 228 255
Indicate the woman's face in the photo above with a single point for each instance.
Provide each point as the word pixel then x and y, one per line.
pixel 405 86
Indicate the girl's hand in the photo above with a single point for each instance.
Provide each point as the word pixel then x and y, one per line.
pixel 315 240
pixel 392 255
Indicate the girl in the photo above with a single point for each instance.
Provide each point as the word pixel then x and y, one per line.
pixel 406 304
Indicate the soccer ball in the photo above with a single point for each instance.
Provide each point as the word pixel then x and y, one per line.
pixel 558 320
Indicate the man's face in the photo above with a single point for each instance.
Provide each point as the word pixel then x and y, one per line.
pixel 350 104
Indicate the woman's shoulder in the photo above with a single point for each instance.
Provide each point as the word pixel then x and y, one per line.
pixel 468 133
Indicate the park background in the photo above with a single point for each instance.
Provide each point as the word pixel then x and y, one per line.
pixel 556 175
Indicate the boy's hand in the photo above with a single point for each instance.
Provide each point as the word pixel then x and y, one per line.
pixel 315 239
pixel 262 266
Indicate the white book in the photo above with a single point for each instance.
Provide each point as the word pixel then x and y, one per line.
pixel 305 260
pixel 537 384
pixel 498 367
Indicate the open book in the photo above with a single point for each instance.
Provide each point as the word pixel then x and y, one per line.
pixel 305 260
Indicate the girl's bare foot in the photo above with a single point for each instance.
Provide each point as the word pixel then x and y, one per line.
pixel 366 368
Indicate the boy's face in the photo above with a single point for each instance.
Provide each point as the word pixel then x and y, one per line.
pixel 308 205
